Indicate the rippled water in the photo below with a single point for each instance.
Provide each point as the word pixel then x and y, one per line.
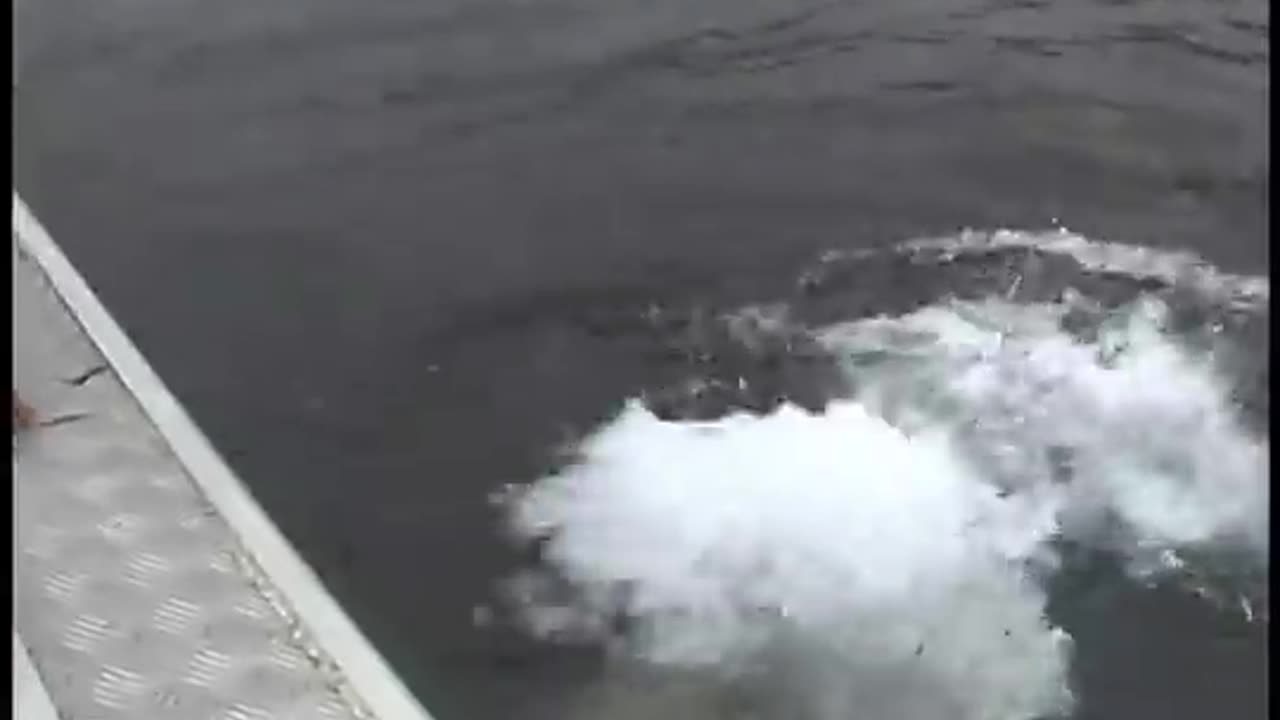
pixel 396 255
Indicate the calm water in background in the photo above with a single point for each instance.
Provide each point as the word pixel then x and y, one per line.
pixel 358 238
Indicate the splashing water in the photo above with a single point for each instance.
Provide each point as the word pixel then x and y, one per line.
pixel 885 558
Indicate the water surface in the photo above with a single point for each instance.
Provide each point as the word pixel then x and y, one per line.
pixel 387 251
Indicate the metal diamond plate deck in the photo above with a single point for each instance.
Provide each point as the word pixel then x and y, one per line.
pixel 131 593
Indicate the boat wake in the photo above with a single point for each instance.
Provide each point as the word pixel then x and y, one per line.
pixel 882 547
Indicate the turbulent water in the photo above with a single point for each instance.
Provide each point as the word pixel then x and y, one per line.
pixel 887 550
pixel 390 255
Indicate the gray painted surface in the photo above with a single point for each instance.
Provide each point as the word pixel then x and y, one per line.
pixel 133 596
pixel 30 698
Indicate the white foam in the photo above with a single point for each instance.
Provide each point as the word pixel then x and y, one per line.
pixel 1135 261
pixel 880 560
pixel 837 533
pixel 1148 424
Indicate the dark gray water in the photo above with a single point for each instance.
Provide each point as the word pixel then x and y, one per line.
pixel 380 248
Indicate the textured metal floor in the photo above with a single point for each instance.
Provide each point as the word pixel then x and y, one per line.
pixel 132 595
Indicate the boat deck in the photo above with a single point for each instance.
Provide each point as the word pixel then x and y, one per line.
pixel 147 582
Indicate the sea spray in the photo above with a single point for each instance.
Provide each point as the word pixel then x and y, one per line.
pixel 885 558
